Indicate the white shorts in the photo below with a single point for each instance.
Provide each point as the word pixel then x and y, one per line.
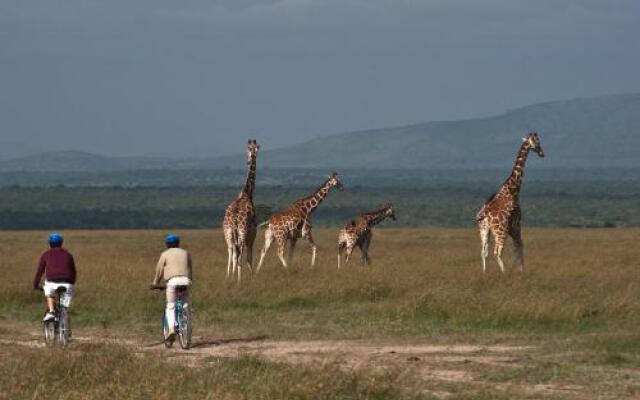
pixel 49 289
pixel 171 289
pixel 179 281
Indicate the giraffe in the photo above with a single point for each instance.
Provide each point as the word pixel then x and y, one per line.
pixel 287 226
pixel 358 232
pixel 501 214
pixel 239 224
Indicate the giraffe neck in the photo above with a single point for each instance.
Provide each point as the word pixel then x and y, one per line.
pixel 250 182
pixel 514 181
pixel 310 203
pixel 375 217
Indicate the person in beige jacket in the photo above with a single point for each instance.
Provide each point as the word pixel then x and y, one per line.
pixel 174 267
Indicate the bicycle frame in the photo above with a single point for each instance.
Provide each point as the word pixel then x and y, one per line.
pixel 177 313
pixel 58 328
pixel 182 321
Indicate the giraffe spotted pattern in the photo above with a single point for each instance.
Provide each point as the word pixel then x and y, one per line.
pixel 501 214
pixel 358 233
pixel 239 224
pixel 286 227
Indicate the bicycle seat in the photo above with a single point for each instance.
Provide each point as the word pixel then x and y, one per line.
pixel 61 289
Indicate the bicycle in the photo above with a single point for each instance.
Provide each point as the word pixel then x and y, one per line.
pixel 59 328
pixel 182 327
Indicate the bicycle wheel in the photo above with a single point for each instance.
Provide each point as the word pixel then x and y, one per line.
pixel 49 332
pixel 63 326
pixel 184 325
pixel 168 342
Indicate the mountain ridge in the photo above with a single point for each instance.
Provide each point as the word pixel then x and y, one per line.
pixel 591 132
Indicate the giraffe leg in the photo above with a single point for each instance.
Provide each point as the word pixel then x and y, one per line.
pixel 314 249
pixel 519 249
pixel 341 246
pixel 515 233
pixel 228 237
pixel 268 240
pixel 484 238
pixel 364 248
pixel 227 230
pixel 251 237
pixel 249 255
pixel 229 260
pixel 292 246
pixel 234 259
pixel 240 244
pixel 306 234
pixel 239 261
pixel 365 259
pixel 348 254
pixel 281 247
pixel 500 237
pixel 362 256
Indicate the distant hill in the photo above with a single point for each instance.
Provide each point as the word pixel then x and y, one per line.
pixel 596 132
pixel 72 161
pixel 63 161
pixel 581 133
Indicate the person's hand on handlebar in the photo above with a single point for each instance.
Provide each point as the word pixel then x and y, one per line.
pixel 154 286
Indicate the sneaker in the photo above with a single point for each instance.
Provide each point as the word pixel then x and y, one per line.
pixel 49 316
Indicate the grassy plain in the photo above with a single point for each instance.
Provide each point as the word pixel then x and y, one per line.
pixel 570 321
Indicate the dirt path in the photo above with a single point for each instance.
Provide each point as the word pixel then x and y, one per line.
pixel 429 360
pixel 457 363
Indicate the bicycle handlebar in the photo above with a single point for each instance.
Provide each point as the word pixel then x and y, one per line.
pixel 157 287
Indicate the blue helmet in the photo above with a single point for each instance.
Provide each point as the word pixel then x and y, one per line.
pixel 55 239
pixel 172 239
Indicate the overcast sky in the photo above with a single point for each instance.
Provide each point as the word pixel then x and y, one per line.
pixel 198 77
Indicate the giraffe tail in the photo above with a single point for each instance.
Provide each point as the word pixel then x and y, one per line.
pixel 480 215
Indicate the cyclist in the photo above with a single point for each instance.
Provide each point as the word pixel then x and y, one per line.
pixel 174 267
pixel 59 268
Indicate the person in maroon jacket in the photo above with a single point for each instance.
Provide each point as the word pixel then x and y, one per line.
pixel 59 268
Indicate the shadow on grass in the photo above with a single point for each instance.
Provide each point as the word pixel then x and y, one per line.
pixel 216 342
pixel 220 342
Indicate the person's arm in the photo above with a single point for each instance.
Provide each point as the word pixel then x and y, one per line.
pixel 190 266
pixel 41 268
pixel 72 267
pixel 159 270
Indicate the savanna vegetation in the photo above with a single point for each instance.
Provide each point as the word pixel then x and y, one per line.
pixel 546 203
pixel 569 322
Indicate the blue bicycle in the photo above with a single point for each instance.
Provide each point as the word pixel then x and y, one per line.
pixel 182 319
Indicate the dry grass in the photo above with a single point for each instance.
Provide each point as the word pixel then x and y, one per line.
pixel 422 282
pixel 114 372
pixel 576 303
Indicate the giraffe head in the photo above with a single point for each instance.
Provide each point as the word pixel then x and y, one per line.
pixel 252 149
pixel 534 143
pixel 390 211
pixel 334 181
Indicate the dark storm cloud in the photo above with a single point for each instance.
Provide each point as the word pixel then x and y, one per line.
pixel 144 77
